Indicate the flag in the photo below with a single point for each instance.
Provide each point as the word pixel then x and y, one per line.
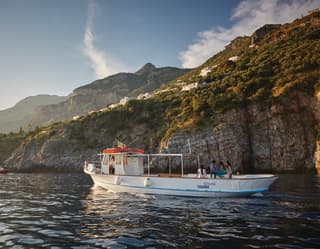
pixel 121 145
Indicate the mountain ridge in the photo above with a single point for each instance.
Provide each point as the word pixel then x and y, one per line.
pixel 109 90
pixel 93 96
pixel 18 116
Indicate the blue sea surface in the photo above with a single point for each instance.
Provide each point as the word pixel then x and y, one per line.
pixel 66 211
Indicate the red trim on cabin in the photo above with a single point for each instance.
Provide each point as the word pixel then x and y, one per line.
pixel 121 150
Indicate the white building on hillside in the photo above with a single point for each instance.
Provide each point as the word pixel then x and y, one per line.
pixel 103 109
pixel 234 58
pixel 145 96
pixel 205 71
pixel 124 100
pixel 114 105
pixel 190 86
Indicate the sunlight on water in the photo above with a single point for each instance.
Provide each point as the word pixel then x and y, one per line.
pixel 67 211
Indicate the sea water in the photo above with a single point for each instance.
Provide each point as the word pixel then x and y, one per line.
pixel 67 211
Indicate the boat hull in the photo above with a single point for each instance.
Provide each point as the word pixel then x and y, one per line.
pixel 238 186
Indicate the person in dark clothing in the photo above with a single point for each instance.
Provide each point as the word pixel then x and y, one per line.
pixel 213 169
pixel 229 169
pixel 202 171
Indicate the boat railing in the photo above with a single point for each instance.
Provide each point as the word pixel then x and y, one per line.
pixel 150 156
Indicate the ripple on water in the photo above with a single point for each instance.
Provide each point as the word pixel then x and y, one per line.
pixel 33 222
pixel 29 240
pixel 8 237
pixel 54 233
pixel 9 209
pixel 288 246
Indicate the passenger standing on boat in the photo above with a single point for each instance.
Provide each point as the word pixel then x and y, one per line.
pixel 213 169
pixel 111 165
pixel 229 169
pixel 202 171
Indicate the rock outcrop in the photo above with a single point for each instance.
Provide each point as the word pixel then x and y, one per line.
pixel 260 33
pixel 317 157
pixel 49 155
pixel 317 115
pixel 65 147
pixel 253 138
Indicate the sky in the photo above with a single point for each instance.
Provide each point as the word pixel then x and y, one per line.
pixel 54 46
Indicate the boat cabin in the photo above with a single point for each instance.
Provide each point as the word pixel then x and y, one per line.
pixel 127 161
pixel 122 164
pixel 120 161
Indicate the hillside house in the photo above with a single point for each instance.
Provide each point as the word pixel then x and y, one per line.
pixel 163 90
pixel 145 96
pixel 205 71
pixel 113 105
pixel 103 109
pixel 234 58
pixel 190 86
pixel 179 83
pixel 124 100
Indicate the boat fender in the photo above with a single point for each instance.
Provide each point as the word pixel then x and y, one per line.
pixel 147 182
pixel 117 180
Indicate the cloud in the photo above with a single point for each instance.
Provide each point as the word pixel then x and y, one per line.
pixel 248 16
pixel 102 63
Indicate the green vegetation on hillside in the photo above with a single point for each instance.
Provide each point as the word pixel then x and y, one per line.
pixel 284 60
pixel 8 143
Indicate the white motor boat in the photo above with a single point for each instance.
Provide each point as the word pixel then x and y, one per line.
pixel 123 170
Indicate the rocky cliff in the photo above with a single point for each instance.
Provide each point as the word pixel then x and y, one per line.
pixel 282 138
pixel 65 146
pixel 277 139
pixel 317 114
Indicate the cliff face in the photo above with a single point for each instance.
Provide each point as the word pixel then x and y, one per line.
pixel 317 114
pixel 317 157
pixel 282 138
pixel 65 147
pixel 253 138
pixel 259 34
pixel 46 155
